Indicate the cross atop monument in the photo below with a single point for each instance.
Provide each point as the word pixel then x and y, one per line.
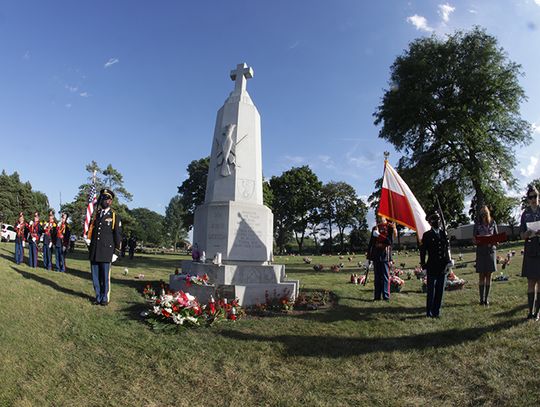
pixel 240 75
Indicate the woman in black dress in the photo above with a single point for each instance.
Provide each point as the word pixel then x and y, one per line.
pixel 531 255
pixel 486 254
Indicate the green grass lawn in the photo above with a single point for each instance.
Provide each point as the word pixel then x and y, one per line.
pixel 57 349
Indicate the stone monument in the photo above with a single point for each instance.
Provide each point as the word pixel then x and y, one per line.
pixel 233 226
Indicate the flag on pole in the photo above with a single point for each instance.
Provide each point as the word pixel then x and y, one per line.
pixel 398 203
pixel 92 199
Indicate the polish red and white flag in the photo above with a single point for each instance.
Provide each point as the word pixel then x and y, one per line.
pixel 399 204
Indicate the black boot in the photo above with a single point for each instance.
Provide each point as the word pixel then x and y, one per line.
pixel 486 294
pixel 530 298
pixel 481 291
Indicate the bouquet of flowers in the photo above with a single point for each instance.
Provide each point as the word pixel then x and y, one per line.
pixel 454 282
pixel 197 280
pixel 307 260
pixel 318 267
pixel 274 303
pixel 419 273
pixel 335 268
pixel 501 277
pixel 396 284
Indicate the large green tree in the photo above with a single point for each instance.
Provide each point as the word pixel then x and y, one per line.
pixel 173 223
pixel 148 226
pixel 193 188
pixel 296 197
pixel 343 209
pixel 453 110
pixel 17 196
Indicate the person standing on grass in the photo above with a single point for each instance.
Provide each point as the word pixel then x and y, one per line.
pixel 380 253
pixel 435 244
pixel 60 238
pixel 47 241
pixel 34 234
pixel 531 255
pixel 104 239
pixel 21 230
pixel 486 255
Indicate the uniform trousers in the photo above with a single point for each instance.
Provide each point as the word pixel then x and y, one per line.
pixel 101 278
pixel 382 280
pixel 47 257
pixel 19 252
pixel 32 253
pixel 60 259
pixel 435 291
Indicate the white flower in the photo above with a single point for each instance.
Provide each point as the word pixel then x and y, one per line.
pixel 190 297
pixel 144 314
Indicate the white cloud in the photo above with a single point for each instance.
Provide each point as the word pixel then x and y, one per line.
pixel 472 11
pixel 327 161
pixel 419 22
pixel 531 168
pixel 294 45
pixel 68 105
pixel 26 55
pixel 84 94
pixel 445 10
pixel 295 159
pixel 111 62
pixel 537 2
pixel 72 88
pixel 536 126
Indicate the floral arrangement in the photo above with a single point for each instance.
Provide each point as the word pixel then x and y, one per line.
pixel 356 279
pixel 318 267
pixel 307 260
pixel 397 272
pixel 396 284
pixel 275 303
pixel 453 282
pixel 419 273
pixel 501 277
pixel 409 274
pixel 197 280
pixel 181 309
pixel 335 268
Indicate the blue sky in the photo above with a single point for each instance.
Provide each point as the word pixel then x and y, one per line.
pixel 137 83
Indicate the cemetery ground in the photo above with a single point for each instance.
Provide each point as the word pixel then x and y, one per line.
pixel 57 349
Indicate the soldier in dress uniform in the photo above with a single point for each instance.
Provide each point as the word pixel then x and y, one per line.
pixel 47 241
pixel 21 230
pixel 104 238
pixel 531 255
pixel 435 244
pixel 380 253
pixel 34 234
pixel 60 240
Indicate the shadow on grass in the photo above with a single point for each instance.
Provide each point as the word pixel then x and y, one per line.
pixel 337 346
pixel 52 284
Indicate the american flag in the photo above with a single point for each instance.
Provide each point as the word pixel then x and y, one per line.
pixel 92 199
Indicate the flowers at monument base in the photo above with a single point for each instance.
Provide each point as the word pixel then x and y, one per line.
pixel 501 277
pixel 197 280
pixel 419 273
pixel 182 309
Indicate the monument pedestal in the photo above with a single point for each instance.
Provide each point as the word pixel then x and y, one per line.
pixel 240 231
pixel 249 282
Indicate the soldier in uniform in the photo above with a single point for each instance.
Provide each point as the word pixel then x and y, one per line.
pixel 104 238
pixel 531 255
pixel 435 244
pixel 34 233
pixel 21 229
pixel 380 253
pixel 47 241
pixel 60 239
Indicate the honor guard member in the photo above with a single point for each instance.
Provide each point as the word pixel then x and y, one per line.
pixel 47 241
pixel 60 239
pixel 21 230
pixel 105 238
pixel 380 253
pixel 435 244
pixel 34 234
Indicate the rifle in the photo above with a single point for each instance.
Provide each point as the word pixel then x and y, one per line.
pixel 443 224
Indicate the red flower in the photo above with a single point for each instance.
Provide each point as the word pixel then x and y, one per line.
pixel 165 313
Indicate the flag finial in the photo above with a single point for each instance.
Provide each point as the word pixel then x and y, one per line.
pixel 386 155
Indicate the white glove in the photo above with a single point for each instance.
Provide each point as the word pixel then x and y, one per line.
pixel 114 258
pixel 23 244
pixel 64 248
pixel 87 241
pixel 50 245
pixel 376 233
pixel 34 239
